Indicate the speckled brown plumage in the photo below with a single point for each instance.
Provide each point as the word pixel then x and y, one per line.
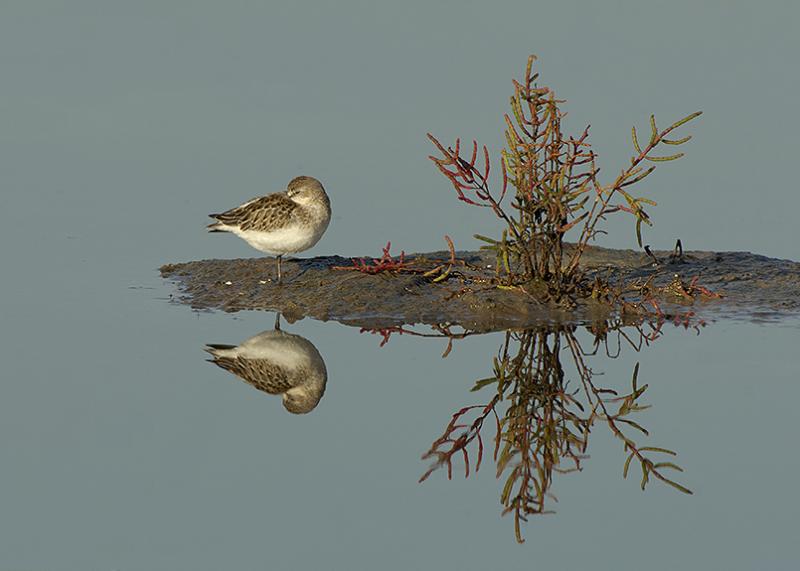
pixel 266 214
pixel 261 374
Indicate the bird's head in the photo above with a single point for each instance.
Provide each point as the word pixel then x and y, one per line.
pixel 305 189
pixel 302 399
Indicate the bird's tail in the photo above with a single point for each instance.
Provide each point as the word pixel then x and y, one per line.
pixel 216 226
pixel 216 350
pixel 220 346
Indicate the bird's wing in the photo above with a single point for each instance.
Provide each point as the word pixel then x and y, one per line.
pixel 267 213
pixel 261 373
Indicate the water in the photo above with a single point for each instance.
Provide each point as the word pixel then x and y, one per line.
pixel 122 448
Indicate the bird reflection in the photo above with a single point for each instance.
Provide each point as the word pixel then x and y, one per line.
pixel 277 362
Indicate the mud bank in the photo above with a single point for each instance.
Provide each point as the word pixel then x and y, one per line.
pixel 754 287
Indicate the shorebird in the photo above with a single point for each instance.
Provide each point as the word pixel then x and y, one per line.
pixel 277 362
pixel 280 223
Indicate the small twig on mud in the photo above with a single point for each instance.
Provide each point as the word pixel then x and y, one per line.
pixel 677 252
pixel 388 264
pixel 695 289
pixel 650 253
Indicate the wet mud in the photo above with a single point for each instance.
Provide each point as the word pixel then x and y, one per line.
pixel 754 288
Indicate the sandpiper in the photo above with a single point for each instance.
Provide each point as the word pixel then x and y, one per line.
pixel 277 362
pixel 281 223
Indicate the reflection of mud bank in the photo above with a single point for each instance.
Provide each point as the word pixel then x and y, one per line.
pixel 754 286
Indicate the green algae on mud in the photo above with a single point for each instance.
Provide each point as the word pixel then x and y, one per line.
pixel 754 287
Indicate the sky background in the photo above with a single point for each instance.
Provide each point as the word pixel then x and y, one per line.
pixel 123 124
pixel 150 115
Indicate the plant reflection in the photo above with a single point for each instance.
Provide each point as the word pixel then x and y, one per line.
pixel 277 362
pixel 542 418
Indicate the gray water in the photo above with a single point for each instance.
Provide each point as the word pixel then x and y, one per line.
pixel 123 126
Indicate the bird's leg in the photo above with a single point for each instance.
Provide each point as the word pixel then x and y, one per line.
pixel 277 321
pixel 279 268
